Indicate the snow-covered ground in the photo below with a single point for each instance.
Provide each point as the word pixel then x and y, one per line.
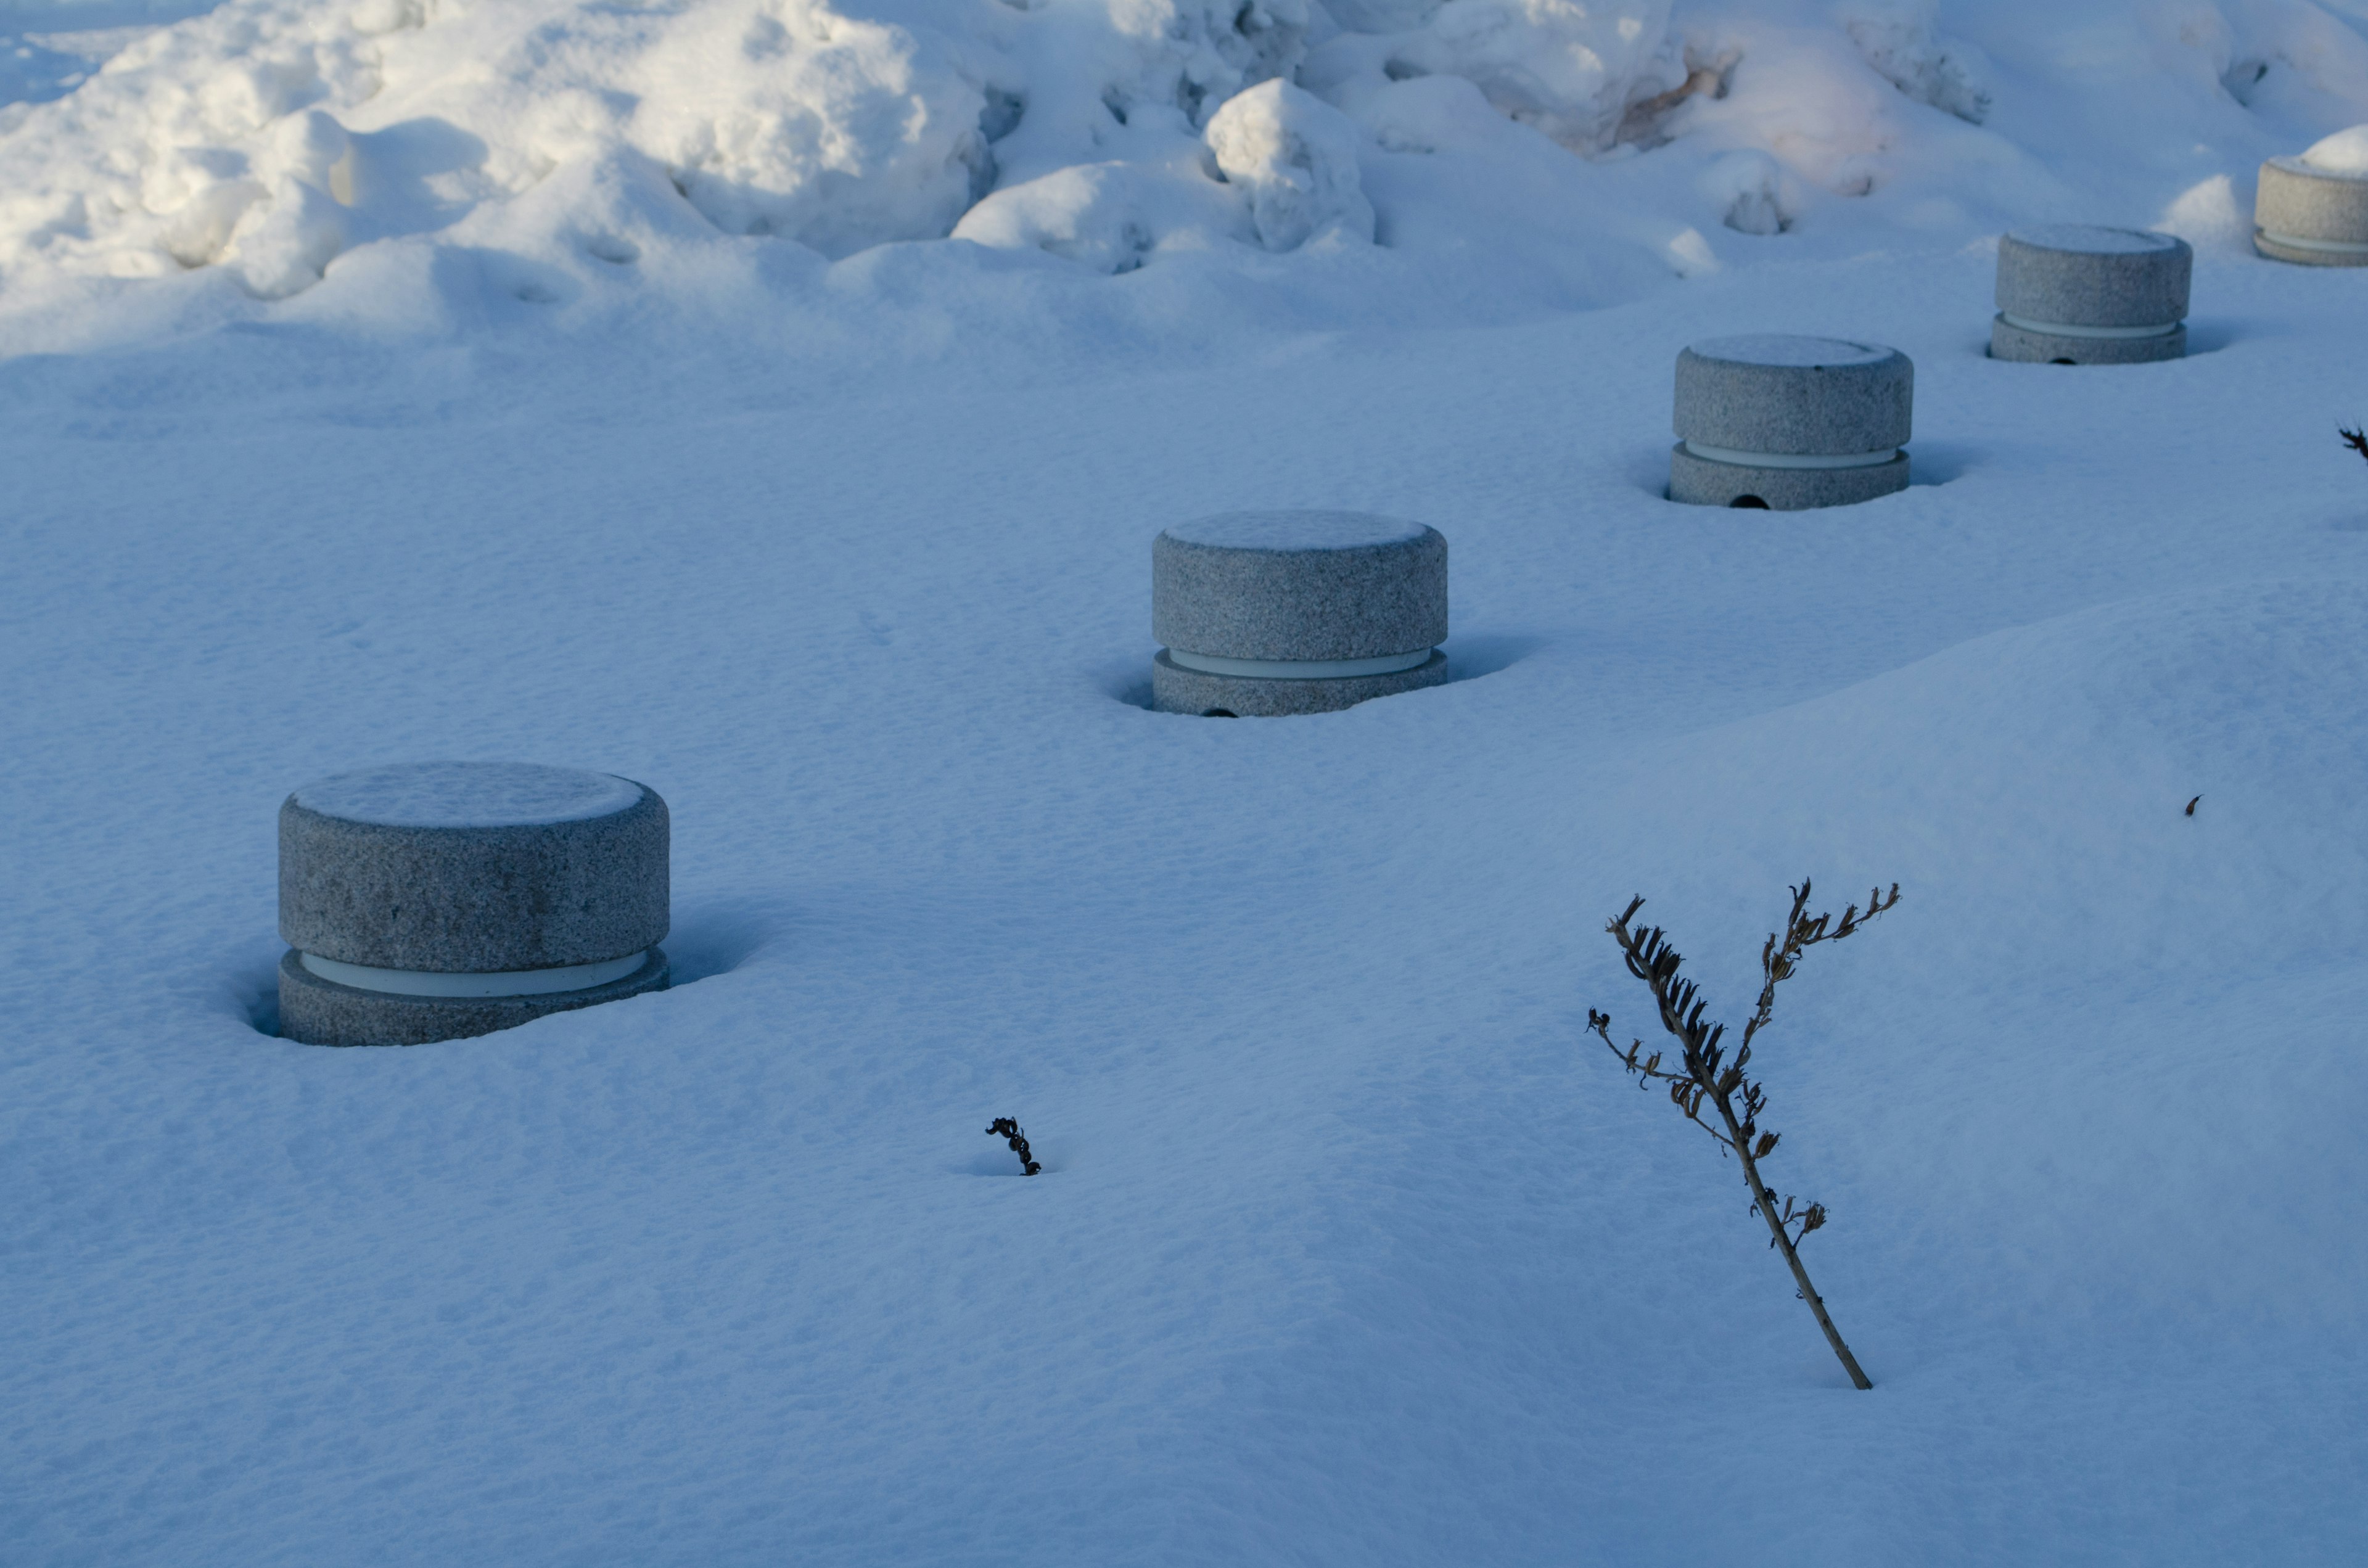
pixel 601 386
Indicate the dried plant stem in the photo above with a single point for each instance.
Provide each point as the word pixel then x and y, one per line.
pixel 1765 1202
pixel 1705 1076
pixel 1008 1128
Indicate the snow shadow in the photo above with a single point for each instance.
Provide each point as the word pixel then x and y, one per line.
pixel 503 280
pixel 998 1161
pixel 1128 680
pixel 254 993
pixel 715 939
pixel 2207 336
pixel 1468 658
pixel 1941 462
pixel 1929 463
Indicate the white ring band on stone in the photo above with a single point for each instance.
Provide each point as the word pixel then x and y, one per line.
pixel 1790 460
pixel 2336 247
pixel 507 983
pixel 1300 669
pixel 2065 329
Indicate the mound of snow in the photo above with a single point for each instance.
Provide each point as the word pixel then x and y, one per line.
pixel 271 133
pixel 784 116
pixel 1564 68
pixel 2345 152
pixel 1901 39
pixel 1295 156
pixel 1504 155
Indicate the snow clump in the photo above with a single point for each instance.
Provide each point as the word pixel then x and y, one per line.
pixel 2345 152
pixel 1295 157
pixel 786 117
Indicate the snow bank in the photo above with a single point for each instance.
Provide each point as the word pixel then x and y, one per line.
pixel 1564 68
pixel 269 134
pixel 1573 151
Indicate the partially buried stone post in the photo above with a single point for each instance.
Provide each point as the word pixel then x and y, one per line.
pixel 2314 210
pixel 2072 293
pixel 435 901
pixel 1271 613
pixel 1787 423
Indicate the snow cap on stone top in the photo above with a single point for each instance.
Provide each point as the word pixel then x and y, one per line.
pixel 468 794
pixel 2345 152
pixel 2092 239
pixel 1295 531
pixel 1789 352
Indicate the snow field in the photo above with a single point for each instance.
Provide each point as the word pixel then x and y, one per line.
pixel 1347 1247
pixel 788 430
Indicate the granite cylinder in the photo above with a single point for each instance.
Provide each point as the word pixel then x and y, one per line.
pixel 2076 294
pixel 1790 422
pixel 2313 210
pixel 436 900
pixel 1265 614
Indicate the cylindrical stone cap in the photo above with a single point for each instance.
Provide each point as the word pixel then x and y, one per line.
pixel 2300 200
pixel 2081 275
pixel 1795 396
pixel 1300 585
pixel 473 868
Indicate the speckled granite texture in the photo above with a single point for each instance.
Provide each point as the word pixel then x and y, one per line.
pixel 1177 690
pixel 1795 395
pixel 2083 276
pixel 1699 482
pixel 1299 585
pixel 2295 199
pixel 473 900
pixel 313 1011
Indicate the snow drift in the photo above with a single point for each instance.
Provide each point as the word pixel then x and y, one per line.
pixel 1587 148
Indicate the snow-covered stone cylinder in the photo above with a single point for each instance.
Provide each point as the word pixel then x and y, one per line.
pixel 2314 209
pixel 2077 294
pixel 1788 422
pixel 1269 613
pixel 435 901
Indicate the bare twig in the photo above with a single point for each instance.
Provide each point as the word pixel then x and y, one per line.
pixel 2355 439
pixel 1710 1077
pixel 1008 1128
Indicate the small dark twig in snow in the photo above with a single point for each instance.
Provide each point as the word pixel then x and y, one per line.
pixel 2355 439
pixel 1008 1128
